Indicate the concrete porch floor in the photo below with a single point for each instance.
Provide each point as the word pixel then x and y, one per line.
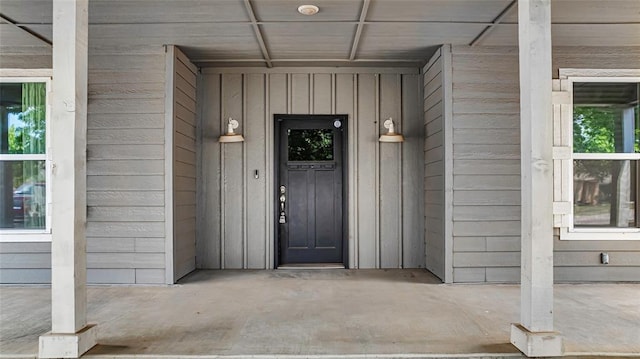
pixel 328 313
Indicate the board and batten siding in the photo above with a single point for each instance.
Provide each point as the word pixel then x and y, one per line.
pixel 181 164
pixel 437 171
pixel 486 169
pixel 236 209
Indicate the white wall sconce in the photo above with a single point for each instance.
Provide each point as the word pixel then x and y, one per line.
pixel 391 135
pixel 231 136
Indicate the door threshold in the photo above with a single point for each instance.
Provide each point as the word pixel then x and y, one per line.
pixel 311 266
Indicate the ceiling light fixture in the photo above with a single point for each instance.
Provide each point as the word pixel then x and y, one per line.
pixel 308 9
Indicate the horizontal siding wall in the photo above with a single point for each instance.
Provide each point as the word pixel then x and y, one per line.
pixel 434 163
pixel 125 169
pixel 235 215
pixel 580 260
pixel 184 164
pixel 486 153
pixel 24 263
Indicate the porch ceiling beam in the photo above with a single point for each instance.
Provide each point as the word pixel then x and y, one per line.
pixel 307 60
pixel 23 28
pixel 494 23
pixel 256 29
pixel 358 34
pixel 348 22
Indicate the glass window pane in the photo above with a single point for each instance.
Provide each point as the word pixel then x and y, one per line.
pixel 604 193
pixel 310 145
pixel 22 194
pixel 605 118
pixel 22 118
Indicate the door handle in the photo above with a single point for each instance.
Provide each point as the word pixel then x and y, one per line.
pixel 283 200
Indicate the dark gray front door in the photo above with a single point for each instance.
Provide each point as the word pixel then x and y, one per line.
pixel 309 191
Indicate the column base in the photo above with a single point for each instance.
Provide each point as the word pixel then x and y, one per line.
pixel 536 344
pixel 54 345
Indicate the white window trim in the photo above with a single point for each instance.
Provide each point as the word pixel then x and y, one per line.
pixel 37 235
pixel 599 233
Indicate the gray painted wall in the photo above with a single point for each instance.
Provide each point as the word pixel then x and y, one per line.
pixel 126 174
pixel 125 167
pixel 181 160
pixel 24 262
pixel 125 170
pixel 434 162
pixel 235 226
pixel 486 153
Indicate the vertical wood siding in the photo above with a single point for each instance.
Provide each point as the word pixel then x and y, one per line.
pixel 486 154
pixel 235 213
pixel 434 164
pixel 183 171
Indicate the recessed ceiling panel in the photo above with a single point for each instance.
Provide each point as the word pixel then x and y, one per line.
pixel 436 10
pixel 398 41
pixel 231 39
pixel 28 11
pixel 154 11
pixel 227 63
pixel 590 11
pixel 10 36
pixel 200 53
pixel 309 40
pixel 501 35
pixel 287 10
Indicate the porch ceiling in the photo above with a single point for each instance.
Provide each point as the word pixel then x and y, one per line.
pixel 344 32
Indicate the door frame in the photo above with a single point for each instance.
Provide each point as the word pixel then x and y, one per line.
pixel 277 119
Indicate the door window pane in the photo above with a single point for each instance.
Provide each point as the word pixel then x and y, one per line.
pixel 22 118
pixel 310 145
pixel 604 193
pixel 22 194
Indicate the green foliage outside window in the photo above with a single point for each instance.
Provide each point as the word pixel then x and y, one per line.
pixel 597 130
pixel 29 136
pixel 310 145
pixel 593 130
pixel 23 181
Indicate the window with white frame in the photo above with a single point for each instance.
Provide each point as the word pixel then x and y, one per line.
pixel 600 130
pixel 24 190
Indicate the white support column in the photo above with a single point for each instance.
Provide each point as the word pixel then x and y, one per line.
pixel 535 336
pixel 70 336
